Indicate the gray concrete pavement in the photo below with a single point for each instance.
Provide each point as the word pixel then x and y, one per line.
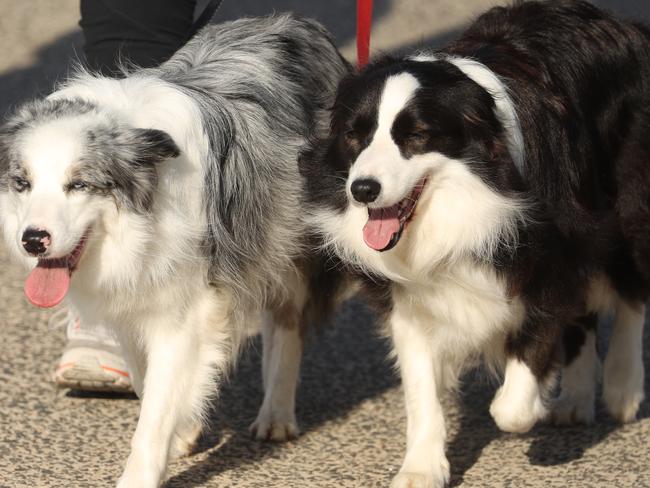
pixel 349 402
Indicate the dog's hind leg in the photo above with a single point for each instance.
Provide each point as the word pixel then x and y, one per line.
pixel 623 375
pixel 282 352
pixel 576 403
pixel 314 290
pixel 188 350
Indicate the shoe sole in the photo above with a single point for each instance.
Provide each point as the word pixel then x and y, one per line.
pixel 87 374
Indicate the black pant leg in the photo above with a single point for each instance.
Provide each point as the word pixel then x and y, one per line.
pixel 144 32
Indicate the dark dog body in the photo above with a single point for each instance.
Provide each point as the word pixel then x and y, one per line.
pixel 499 192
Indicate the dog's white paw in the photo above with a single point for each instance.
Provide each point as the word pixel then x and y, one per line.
pixel 185 441
pixel 406 479
pixel 274 426
pixel 135 482
pixel 517 411
pixel 436 477
pixel 413 480
pixel 137 476
pixel 574 409
pixel 623 386
pixel 622 399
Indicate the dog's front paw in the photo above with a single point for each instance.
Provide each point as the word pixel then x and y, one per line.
pixel 272 426
pixel 572 408
pixel 412 480
pixel 516 411
pixel 132 478
pixel 421 480
pixel 144 469
pixel 185 441
pixel 438 477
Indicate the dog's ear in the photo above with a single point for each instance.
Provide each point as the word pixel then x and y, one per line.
pixel 4 165
pixel 6 132
pixel 154 146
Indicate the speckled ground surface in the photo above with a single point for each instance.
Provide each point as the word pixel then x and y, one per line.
pixel 349 402
pixel 349 406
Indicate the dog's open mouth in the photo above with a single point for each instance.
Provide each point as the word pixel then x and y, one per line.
pixel 385 225
pixel 48 283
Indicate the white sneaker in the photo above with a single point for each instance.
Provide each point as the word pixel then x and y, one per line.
pixel 92 360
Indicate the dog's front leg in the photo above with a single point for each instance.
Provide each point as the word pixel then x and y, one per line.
pixel 425 464
pixel 170 366
pixel 530 373
pixel 184 357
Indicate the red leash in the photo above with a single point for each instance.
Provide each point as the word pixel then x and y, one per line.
pixel 364 20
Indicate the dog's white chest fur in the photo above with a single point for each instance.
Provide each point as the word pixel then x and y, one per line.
pixel 464 309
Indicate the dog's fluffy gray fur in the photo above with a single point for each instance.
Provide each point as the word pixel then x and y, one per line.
pixel 180 185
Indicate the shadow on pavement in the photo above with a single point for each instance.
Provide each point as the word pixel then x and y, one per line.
pixel 476 429
pixel 53 64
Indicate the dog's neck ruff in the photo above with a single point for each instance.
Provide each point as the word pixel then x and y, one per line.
pixel 505 108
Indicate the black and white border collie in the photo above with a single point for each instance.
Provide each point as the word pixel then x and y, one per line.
pixel 167 205
pixel 496 194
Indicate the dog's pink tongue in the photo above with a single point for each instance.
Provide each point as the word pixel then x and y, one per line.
pixel 48 283
pixel 382 224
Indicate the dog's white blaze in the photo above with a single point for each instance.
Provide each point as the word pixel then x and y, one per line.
pixel 382 160
pixel 49 150
pixel 518 404
pixel 398 91
pixel 505 108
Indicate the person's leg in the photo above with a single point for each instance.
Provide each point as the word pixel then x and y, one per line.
pixel 135 32
pixel 92 359
pixel 143 32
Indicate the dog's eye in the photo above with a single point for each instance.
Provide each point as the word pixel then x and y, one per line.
pixel 77 186
pixel 415 136
pixel 20 184
pixel 351 135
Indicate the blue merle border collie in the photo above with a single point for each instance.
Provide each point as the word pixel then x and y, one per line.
pixel 496 195
pixel 167 205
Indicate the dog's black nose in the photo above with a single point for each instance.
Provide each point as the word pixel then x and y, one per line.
pixel 365 190
pixel 36 241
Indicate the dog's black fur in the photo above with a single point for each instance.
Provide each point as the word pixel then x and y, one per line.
pixel 573 170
